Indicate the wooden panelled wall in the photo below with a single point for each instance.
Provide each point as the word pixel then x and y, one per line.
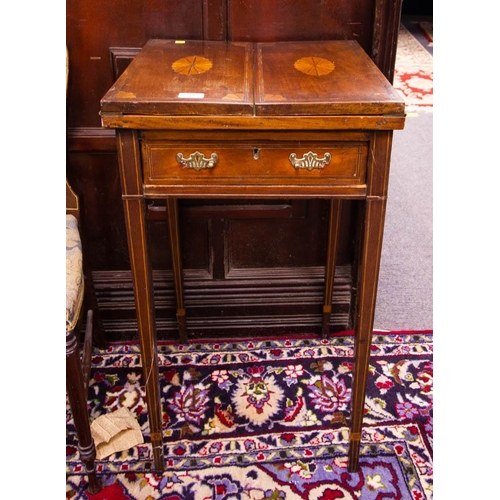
pixel 251 268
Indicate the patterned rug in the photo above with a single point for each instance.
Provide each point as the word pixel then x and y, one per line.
pixel 267 419
pixel 413 73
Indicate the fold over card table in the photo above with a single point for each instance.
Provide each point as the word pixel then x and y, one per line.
pixel 203 119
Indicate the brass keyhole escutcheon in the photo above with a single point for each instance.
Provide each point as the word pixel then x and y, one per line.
pixel 256 153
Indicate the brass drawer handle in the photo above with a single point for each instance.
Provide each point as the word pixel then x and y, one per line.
pixel 198 161
pixel 310 160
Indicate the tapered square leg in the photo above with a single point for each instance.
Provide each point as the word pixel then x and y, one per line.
pixel 368 271
pixel 135 216
pixel 175 246
pixel 331 257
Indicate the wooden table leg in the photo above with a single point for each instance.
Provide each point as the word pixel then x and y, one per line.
pixel 368 271
pixel 175 246
pixel 135 221
pixel 331 257
pixel 363 332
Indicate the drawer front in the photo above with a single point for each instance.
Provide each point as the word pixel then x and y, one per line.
pixel 342 163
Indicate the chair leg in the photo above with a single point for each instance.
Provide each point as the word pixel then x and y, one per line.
pixel 87 350
pixel 98 335
pixel 77 396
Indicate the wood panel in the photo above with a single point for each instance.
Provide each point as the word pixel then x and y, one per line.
pixel 282 20
pixel 256 302
pixel 93 27
pixel 97 182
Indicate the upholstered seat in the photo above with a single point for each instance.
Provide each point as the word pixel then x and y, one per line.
pixel 74 273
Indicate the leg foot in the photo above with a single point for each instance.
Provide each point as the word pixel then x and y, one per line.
pixel 327 312
pixel 87 456
pixel 181 322
pixel 354 445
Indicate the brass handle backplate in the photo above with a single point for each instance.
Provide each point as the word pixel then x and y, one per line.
pixel 198 161
pixel 310 160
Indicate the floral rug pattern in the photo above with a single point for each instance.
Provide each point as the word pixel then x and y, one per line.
pixel 266 419
pixel 413 72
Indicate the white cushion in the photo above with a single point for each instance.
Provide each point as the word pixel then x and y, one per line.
pixel 74 272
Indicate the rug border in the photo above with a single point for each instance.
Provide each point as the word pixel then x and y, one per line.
pixel 297 336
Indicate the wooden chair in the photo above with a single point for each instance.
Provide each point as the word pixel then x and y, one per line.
pixel 78 287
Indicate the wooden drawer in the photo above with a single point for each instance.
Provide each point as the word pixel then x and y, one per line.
pixel 294 164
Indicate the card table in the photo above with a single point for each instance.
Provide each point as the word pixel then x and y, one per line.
pixel 240 120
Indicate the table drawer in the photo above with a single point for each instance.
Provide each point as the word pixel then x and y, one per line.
pixel 342 163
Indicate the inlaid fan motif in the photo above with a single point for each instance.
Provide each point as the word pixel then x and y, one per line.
pixel 315 66
pixel 192 65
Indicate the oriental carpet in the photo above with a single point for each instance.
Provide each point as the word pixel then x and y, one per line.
pixel 268 419
pixel 414 73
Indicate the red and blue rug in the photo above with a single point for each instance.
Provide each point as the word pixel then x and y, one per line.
pixel 267 419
